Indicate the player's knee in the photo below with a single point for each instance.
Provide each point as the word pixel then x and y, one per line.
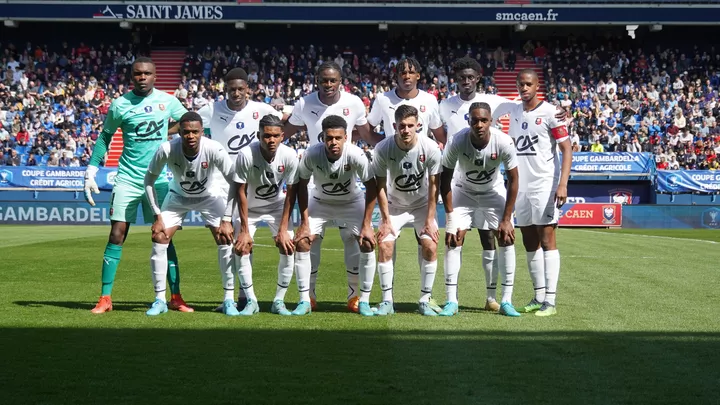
pixel 160 238
pixel 547 241
pixel 429 249
pixel 385 251
pixel 117 234
pixel 530 238
pixel 487 240
pixel 366 246
pixel 303 245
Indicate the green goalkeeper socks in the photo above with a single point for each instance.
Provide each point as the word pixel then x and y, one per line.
pixel 111 259
pixel 173 274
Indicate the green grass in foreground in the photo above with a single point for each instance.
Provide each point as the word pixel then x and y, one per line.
pixel 636 324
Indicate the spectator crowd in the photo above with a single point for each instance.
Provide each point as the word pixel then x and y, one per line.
pixel 664 101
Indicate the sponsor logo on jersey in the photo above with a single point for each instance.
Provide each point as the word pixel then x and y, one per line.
pixel 270 175
pixel 336 189
pixel 148 109
pixel 204 165
pixel 480 177
pixel 333 176
pixel 407 165
pixel 346 111
pixel 467 116
pixel 256 115
pixel 190 174
pixel 161 107
pixel 149 130
pixel 240 125
pixel 267 192
pixel 526 145
pixel 479 162
pixel 538 121
pixel 194 187
pixel 524 125
pixel 410 182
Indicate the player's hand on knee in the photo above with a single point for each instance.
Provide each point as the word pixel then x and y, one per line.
pixel 244 244
pixel 384 230
pixel 90 187
pixel 506 233
pixel 303 232
pixel 225 233
pixel 452 239
pixel 432 231
pixel 284 243
pixel 158 231
pixel 367 237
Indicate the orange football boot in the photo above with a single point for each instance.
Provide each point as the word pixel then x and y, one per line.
pixel 104 305
pixel 177 303
pixel 352 304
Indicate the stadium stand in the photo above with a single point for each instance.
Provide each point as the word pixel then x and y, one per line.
pixel 619 98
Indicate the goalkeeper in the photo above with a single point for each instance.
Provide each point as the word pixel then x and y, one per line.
pixel 143 116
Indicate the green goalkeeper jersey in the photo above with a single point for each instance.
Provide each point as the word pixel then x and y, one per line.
pixel 144 125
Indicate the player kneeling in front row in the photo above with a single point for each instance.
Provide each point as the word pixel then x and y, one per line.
pixel 413 164
pixel 261 169
pixel 193 159
pixel 474 196
pixel 333 165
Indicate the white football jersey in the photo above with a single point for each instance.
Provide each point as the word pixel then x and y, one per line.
pixel 192 178
pixel 383 110
pixel 407 172
pixel 265 180
pixel 335 181
pixel 454 112
pixel 234 129
pixel 536 134
pixel 309 111
pixel 478 171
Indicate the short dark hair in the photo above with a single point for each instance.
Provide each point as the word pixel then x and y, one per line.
pixel 405 111
pixel 528 71
pixel 410 62
pixel 269 120
pixel 466 62
pixel 327 66
pixel 143 59
pixel 190 116
pixel 236 74
pixel 333 122
pixel 480 106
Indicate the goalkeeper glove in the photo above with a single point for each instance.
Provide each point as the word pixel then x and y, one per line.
pixel 90 185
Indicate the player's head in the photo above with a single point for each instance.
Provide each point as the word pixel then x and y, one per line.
pixel 191 130
pixel 334 130
pixel 270 133
pixel 467 73
pixel 527 84
pixel 328 78
pixel 143 75
pixel 406 124
pixel 480 119
pixel 236 87
pixel 408 73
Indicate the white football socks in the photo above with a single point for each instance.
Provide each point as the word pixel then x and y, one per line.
pixel 351 253
pixel 285 272
pixel 453 262
pixel 552 274
pixel 226 265
pixel 245 276
pixel 367 275
pixel 315 249
pixel 385 274
pixel 302 274
pixel 536 265
pixel 488 259
pixel 427 279
pixel 159 265
pixel 506 266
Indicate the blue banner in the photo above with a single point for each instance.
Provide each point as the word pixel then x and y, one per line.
pixel 361 13
pixel 688 181
pixel 613 162
pixel 65 178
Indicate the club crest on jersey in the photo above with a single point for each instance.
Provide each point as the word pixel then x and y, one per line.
pixel 422 158
pixel 161 107
pixel 346 168
pixel 256 115
pixel 148 109
pixel 524 125
pixel 493 156
pixel 538 121
pixel 422 108
pixel 346 111
pixel 240 125
pixel 204 165
pixel 281 169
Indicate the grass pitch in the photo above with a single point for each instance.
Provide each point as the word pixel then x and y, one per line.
pixel 636 324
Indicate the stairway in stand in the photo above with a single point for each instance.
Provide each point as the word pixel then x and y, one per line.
pixel 506 87
pixel 168 64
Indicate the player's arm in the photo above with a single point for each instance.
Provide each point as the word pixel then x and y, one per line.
pixel 367 134
pixel 506 231
pixel 558 130
pixel 364 171
pixel 112 122
pixel 436 126
pixel 283 240
pixel 154 170
pixel 384 228
pixel 304 174
pixel 225 233
pixel 434 169
pixel 449 160
pixel 295 122
pixel 176 112
pixel 440 135
pixel 238 191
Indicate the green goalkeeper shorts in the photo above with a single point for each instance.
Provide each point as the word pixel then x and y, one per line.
pixel 125 200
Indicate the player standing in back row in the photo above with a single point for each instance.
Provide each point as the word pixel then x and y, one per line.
pixel 234 123
pixel 309 113
pixel 543 184
pixel 143 116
